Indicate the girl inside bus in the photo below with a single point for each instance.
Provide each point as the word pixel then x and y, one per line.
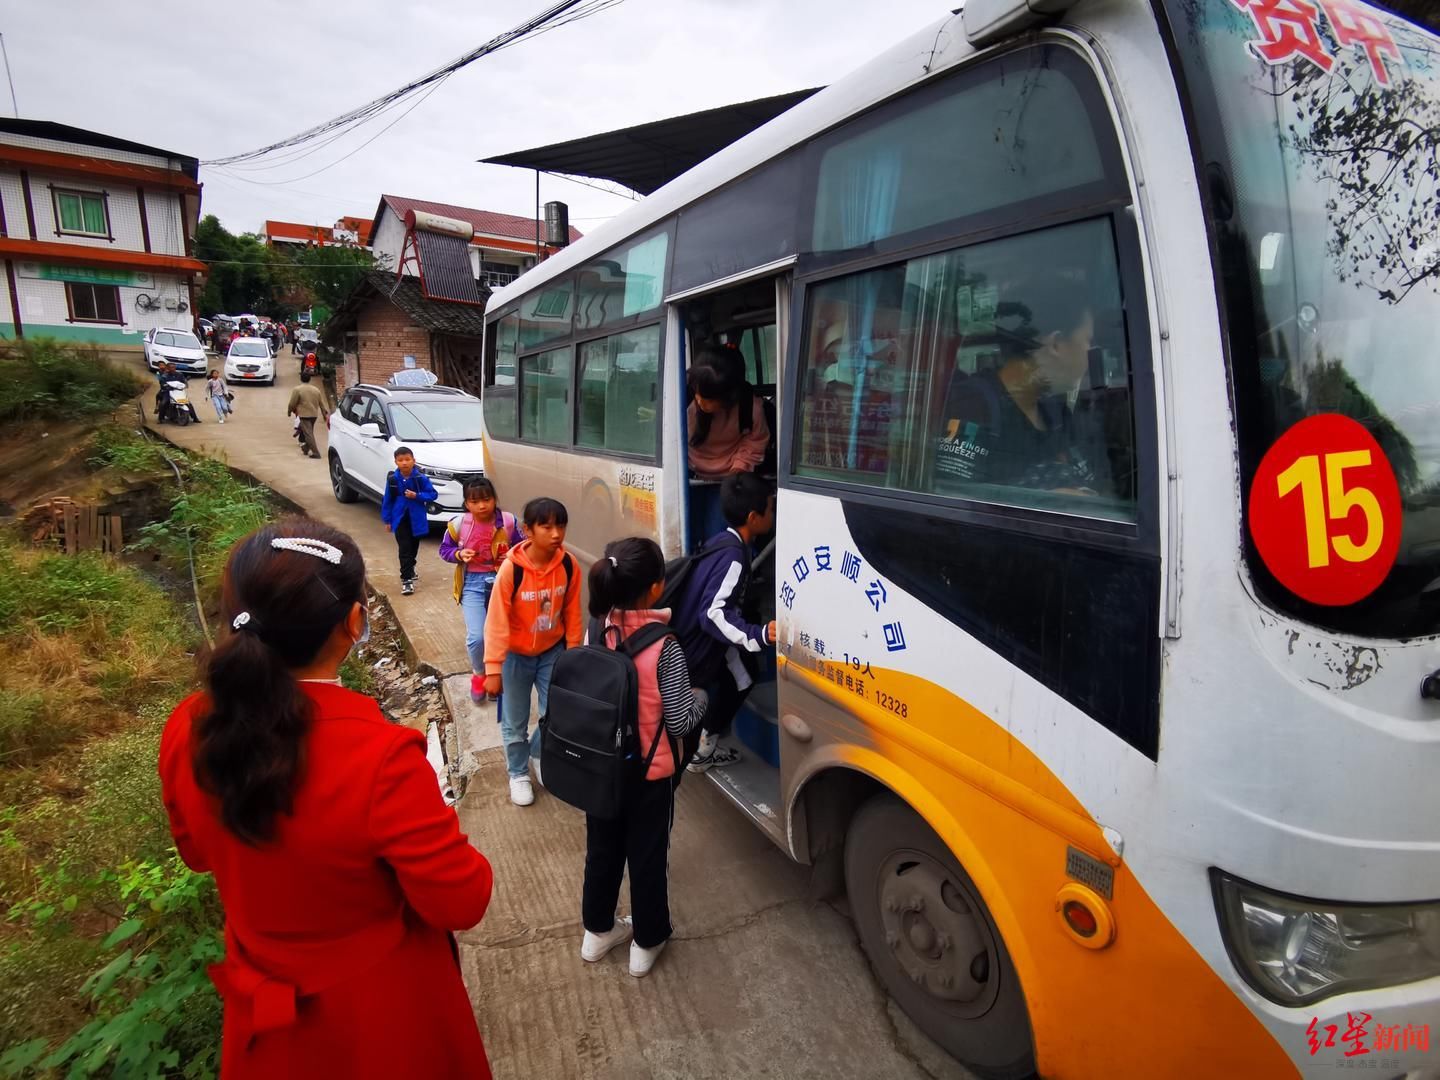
pixel 341 869
pixel 726 418
pixel 625 584
pixel 477 542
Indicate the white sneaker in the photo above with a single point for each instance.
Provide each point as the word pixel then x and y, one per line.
pixel 642 960
pixel 222 419
pixel 597 946
pixel 521 793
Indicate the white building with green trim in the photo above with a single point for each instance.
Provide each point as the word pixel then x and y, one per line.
pixel 96 235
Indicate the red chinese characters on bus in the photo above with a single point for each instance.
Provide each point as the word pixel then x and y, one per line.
pixel 1290 30
pixel 1355 26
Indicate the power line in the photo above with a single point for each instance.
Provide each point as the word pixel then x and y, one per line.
pixel 368 111
pixel 6 52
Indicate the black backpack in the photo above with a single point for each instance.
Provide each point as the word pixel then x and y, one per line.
pixel 589 736
pixel 678 570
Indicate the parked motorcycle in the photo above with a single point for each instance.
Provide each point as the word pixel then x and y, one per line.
pixel 177 407
pixel 308 367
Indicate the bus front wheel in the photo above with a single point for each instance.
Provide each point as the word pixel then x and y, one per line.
pixel 932 942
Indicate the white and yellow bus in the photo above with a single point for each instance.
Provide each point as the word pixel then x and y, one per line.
pixel 1103 347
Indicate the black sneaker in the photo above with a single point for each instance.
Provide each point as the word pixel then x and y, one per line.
pixel 407 587
pixel 721 756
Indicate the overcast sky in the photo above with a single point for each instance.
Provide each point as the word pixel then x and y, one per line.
pixel 217 78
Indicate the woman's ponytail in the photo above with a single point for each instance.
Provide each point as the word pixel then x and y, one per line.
pixel 282 605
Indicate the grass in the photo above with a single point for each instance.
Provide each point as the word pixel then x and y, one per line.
pixel 105 941
pixel 42 378
pixel 84 641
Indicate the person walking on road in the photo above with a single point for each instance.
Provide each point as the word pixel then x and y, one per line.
pixel 219 395
pixel 407 491
pixel 625 584
pixel 307 403
pixel 342 872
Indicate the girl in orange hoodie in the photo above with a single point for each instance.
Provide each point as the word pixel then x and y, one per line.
pixel 534 613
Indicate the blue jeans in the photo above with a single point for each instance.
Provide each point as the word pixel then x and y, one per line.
pixel 474 600
pixel 519 674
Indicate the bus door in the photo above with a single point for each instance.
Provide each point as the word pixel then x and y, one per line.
pixel 750 318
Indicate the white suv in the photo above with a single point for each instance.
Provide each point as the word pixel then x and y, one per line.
pixel 439 423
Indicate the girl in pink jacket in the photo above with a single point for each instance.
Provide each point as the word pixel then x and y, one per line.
pixel 625 583
pixel 726 418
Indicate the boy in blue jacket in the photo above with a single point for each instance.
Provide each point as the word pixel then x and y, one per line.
pixel 717 640
pixel 407 490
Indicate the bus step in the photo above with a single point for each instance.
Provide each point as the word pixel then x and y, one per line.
pixel 753 786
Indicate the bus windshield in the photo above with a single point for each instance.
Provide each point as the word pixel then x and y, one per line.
pixel 1317 125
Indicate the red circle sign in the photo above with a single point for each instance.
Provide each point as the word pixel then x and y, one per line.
pixel 1325 511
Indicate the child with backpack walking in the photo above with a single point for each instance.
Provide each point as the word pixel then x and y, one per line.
pixel 407 490
pixel 718 641
pixel 624 587
pixel 477 542
pixel 533 616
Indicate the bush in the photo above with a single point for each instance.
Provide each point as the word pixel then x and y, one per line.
pixel 108 935
pixel 118 447
pixel 40 377
pixel 213 512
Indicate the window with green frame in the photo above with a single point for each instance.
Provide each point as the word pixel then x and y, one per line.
pixel 81 212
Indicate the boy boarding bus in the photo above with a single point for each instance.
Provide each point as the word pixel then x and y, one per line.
pixel 1107 568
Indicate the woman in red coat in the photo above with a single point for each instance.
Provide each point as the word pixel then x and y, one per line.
pixel 340 867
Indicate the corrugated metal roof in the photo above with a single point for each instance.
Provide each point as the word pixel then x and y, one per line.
pixel 441 316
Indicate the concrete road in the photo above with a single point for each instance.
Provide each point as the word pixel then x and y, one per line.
pixel 758 981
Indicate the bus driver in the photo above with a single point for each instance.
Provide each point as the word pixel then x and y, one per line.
pixel 1014 426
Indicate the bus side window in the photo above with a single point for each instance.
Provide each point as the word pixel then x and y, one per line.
pixel 500 365
pixel 619 392
pixel 996 372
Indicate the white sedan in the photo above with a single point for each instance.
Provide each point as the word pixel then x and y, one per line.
pixel 249 360
pixel 178 347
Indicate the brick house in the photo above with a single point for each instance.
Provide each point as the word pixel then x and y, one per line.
pixel 96 235
pixel 385 320
pixel 501 249
pixel 392 316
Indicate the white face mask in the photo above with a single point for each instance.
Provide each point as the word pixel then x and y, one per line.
pixel 364 629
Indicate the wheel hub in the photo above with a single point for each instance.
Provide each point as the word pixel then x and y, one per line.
pixel 935 934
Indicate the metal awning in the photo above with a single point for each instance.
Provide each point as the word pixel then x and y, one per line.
pixel 648 156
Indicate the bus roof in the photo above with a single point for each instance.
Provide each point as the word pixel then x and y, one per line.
pixel 916 58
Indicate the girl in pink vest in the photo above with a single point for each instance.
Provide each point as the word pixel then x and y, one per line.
pixel 625 583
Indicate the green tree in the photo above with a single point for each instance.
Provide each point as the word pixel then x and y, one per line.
pixel 331 272
pixel 242 272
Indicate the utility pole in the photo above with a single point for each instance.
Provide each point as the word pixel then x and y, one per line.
pixel 6 53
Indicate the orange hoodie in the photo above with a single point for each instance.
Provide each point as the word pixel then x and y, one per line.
pixel 542 611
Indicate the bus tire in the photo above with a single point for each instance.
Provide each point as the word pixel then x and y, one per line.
pixel 932 942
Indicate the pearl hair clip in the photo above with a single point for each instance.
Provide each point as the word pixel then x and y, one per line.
pixel 319 548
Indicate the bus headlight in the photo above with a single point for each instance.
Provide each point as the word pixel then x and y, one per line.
pixel 1295 951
